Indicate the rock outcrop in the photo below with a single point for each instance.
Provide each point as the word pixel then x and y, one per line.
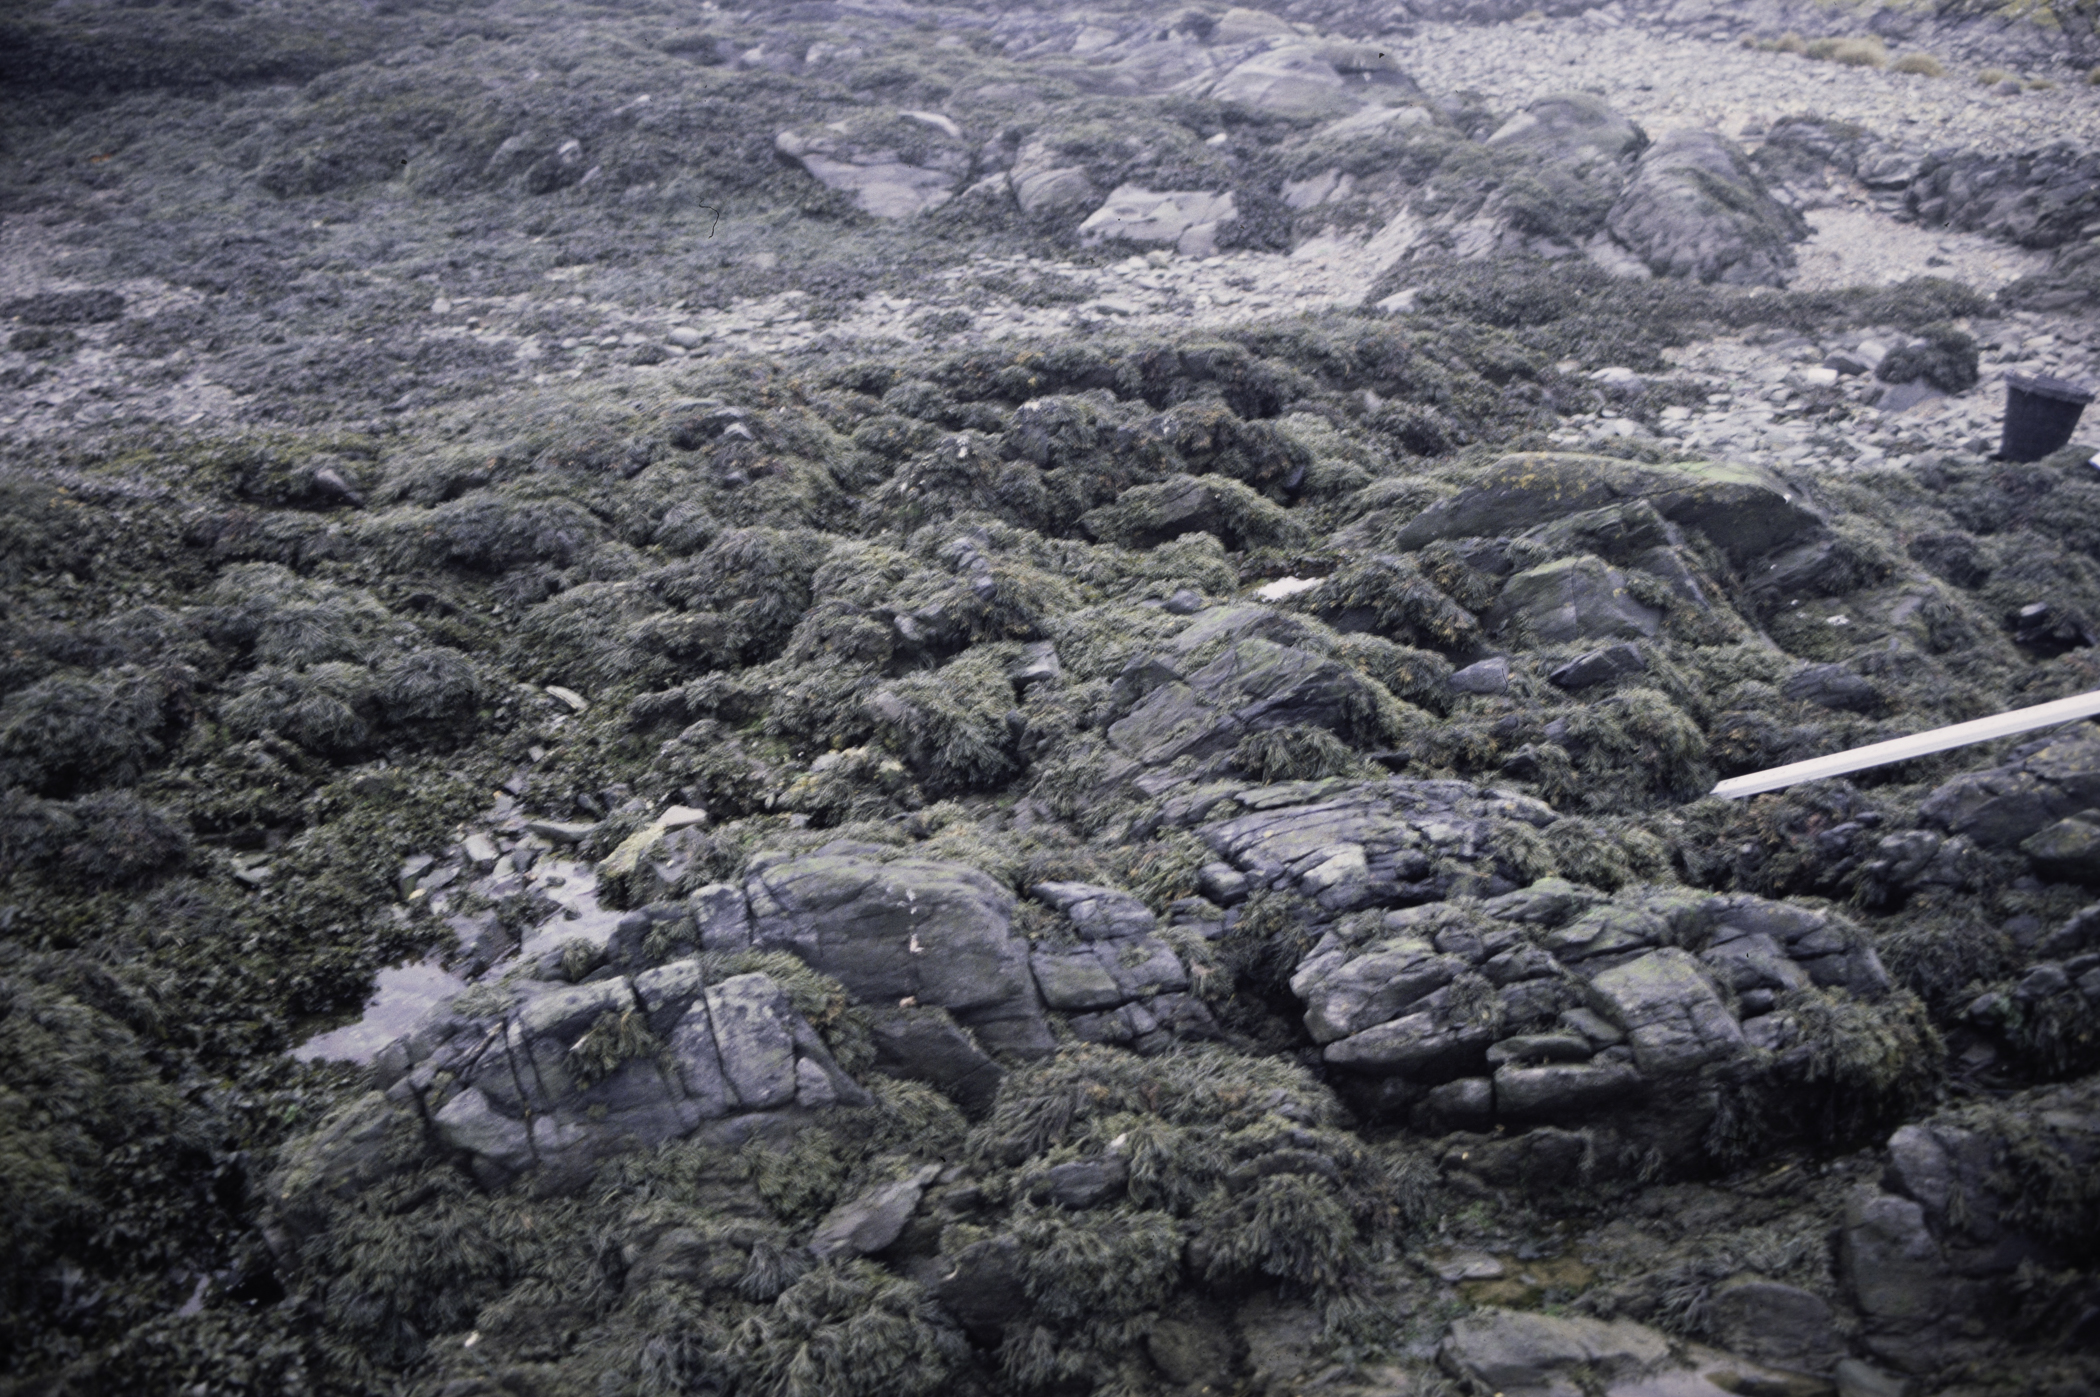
pixel 1694 207
pixel 905 930
pixel 1743 510
pixel 1188 220
pixel 892 167
pixel 1533 1008
pixel 1255 686
pixel 560 1077
pixel 2044 782
pixel 1121 983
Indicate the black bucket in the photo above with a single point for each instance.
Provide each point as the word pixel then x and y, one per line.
pixel 2040 414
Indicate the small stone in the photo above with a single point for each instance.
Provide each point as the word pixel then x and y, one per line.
pixel 1858 1378
pixel 1084 1183
pixel 574 700
pixel 1489 676
pixel 412 869
pixel 1599 667
pixel 1186 602
pixel 1221 883
pixel 872 1221
pixel 1037 664
pixel 1902 397
pixel 1467 1266
pixel 686 337
pixel 560 831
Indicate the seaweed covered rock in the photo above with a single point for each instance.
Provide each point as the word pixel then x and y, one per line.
pixel 1255 686
pixel 1696 208
pixel 1573 599
pixel 1567 156
pixel 1146 516
pixel 1995 1180
pixel 2044 782
pixel 1347 845
pixel 1121 982
pixel 1976 1197
pixel 1943 359
pixel 1743 510
pixel 893 166
pixel 1061 993
pixel 559 1077
pixel 914 930
pixel 1572 129
pixel 1546 1006
pixel 2071 281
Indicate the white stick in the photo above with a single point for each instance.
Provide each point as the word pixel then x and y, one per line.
pixel 2042 715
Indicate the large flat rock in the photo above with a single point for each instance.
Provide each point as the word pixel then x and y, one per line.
pixel 1746 511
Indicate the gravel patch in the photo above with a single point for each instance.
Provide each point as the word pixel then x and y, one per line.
pixel 1665 80
pixel 1859 247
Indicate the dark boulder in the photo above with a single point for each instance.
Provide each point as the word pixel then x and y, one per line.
pixel 1771 1322
pixel 1255 686
pixel 1596 667
pixel 1149 515
pixel 1488 676
pixel 1833 686
pixel 912 929
pixel 2044 782
pixel 923 1043
pixel 1745 511
pixel 1573 599
pixel 872 1220
pixel 2068 849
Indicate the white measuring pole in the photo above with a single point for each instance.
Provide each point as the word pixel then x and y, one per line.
pixel 2042 715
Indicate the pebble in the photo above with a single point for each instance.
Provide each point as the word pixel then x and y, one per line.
pixel 570 697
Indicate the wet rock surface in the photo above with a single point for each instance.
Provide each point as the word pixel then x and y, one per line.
pixel 878 699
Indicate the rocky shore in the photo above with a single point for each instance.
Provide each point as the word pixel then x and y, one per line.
pixel 864 698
